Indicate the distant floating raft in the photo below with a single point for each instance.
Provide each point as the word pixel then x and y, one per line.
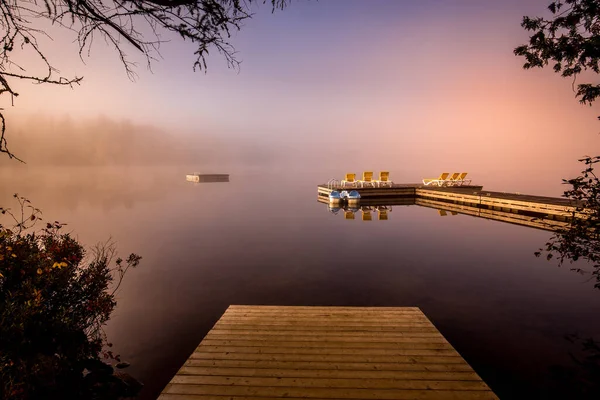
pixel 207 178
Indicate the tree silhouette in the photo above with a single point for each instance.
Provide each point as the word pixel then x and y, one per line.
pixel 570 41
pixel 206 23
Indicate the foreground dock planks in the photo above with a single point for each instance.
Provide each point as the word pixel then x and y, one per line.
pixel 271 352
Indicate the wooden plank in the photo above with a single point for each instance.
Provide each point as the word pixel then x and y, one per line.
pixel 276 312
pixel 449 395
pixel 174 396
pixel 336 393
pixel 321 308
pixel 356 358
pixel 298 310
pixel 306 316
pixel 384 366
pixel 381 383
pixel 356 324
pixel 325 353
pixel 171 396
pixel 430 338
pixel 327 321
pixel 355 318
pixel 328 328
pixel 326 333
pixel 330 374
pixel 414 343
pixel 410 351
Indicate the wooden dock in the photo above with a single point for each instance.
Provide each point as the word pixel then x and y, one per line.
pixel 475 196
pixel 445 208
pixel 270 352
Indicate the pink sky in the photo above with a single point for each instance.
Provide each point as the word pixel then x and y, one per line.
pixel 415 88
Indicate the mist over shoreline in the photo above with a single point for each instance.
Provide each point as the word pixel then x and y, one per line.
pixel 42 140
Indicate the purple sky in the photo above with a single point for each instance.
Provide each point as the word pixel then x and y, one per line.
pixel 412 86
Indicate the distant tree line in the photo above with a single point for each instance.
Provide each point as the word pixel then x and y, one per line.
pixel 131 25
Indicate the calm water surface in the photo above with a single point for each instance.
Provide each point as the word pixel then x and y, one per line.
pixel 264 239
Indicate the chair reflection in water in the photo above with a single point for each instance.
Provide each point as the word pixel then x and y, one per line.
pixel 443 213
pixel 366 213
pixel 382 213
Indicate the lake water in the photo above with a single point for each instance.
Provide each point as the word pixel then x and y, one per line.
pixel 264 239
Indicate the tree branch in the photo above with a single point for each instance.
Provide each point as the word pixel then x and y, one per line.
pixel 206 23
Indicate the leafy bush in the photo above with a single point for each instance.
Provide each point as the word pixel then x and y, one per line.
pixel 54 300
pixel 580 240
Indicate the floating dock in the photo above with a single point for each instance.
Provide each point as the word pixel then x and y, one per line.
pixel 207 178
pixel 444 208
pixel 550 208
pixel 395 190
pixel 270 352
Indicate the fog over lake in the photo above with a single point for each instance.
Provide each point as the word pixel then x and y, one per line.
pixel 414 88
pixel 263 238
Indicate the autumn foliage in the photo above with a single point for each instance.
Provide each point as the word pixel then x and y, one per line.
pixel 54 301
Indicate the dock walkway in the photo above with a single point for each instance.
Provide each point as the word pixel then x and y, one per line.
pixel 547 207
pixel 269 352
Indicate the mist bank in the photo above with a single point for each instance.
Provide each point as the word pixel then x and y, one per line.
pixel 42 140
pixel 506 161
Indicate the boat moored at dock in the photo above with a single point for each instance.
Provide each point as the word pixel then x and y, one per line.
pixel 548 213
pixel 344 196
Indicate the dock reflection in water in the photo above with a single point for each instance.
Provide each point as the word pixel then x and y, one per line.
pixel 379 209
pixel 368 213
pixel 206 247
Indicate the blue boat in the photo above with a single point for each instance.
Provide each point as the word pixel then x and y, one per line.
pixel 335 197
pixel 344 196
pixel 353 195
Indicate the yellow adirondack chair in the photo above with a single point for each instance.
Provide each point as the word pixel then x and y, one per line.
pixel 384 179
pixel 367 178
pixel 349 179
